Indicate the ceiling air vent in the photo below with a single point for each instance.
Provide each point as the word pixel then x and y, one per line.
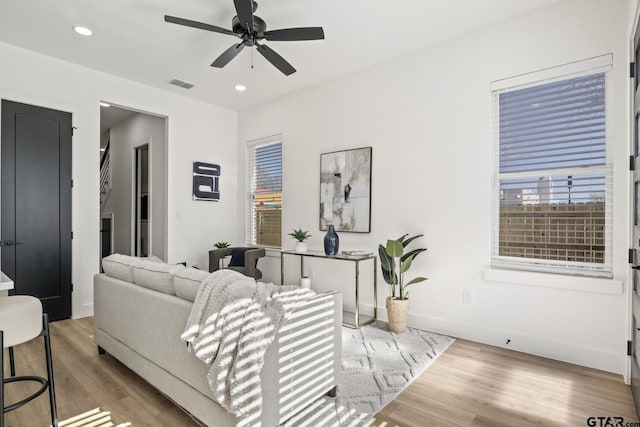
pixel 180 83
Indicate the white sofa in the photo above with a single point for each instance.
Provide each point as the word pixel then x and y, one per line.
pixel 141 308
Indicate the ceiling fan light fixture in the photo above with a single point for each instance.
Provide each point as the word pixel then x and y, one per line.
pixel 240 88
pixel 83 31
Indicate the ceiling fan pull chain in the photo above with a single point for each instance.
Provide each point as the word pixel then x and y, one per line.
pixel 252 58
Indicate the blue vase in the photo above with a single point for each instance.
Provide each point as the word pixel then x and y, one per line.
pixel 331 241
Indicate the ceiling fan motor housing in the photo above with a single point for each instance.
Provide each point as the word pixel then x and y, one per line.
pixel 259 26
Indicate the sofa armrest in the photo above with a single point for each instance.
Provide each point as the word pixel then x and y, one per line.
pixel 304 361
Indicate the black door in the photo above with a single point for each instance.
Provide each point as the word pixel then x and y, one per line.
pixel 105 237
pixel 36 204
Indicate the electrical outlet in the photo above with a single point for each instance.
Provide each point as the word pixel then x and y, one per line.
pixel 467 296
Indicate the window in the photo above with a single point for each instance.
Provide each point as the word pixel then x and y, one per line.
pixel 552 173
pixel 264 192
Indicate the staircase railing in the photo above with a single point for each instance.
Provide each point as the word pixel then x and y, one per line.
pixel 105 175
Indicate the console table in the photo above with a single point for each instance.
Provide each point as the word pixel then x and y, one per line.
pixel 358 319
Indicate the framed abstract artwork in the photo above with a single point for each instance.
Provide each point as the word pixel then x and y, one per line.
pixel 345 190
pixel 206 178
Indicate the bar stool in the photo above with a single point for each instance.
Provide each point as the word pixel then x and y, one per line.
pixel 21 320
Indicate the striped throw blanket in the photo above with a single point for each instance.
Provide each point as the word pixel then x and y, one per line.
pixel 232 323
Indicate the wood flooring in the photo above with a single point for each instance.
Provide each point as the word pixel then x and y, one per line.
pixel 471 385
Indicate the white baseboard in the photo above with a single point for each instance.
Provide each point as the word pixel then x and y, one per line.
pixel 539 346
pixel 85 310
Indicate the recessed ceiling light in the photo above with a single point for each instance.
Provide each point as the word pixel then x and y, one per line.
pixel 104 104
pixel 241 88
pixel 84 31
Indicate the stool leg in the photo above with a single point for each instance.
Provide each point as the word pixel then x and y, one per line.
pixel 1 379
pixel 47 349
pixel 12 362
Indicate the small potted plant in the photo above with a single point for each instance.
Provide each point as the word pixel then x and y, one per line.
pixel 395 262
pixel 301 236
pixel 222 244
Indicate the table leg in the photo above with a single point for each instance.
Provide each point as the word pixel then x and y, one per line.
pixel 281 269
pixel 375 289
pixel 357 314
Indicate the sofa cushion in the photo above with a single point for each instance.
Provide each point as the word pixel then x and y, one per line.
pixel 186 282
pixel 153 258
pixel 120 266
pixel 156 276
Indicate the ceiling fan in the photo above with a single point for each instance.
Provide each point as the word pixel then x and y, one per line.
pixel 251 29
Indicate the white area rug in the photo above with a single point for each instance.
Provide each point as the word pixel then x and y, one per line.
pixel 376 366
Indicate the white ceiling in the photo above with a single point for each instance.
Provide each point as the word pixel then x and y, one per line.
pixel 132 40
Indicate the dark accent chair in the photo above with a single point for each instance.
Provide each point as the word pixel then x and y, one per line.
pixel 243 260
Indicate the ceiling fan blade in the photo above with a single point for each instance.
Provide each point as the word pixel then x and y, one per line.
pixel 227 55
pixel 278 61
pixel 200 25
pixel 244 9
pixel 295 34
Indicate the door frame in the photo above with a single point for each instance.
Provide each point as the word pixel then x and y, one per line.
pixel 66 176
pixel 134 194
pixel 634 230
pixel 84 270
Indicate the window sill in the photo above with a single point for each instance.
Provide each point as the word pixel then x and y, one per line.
pixel 557 281
pixel 273 252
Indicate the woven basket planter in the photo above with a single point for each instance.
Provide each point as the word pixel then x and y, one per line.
pixel 397 311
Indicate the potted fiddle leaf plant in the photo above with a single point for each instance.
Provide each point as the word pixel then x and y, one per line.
pixel 301 236
pixel 395 261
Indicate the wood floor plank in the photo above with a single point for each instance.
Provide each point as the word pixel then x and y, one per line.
pixel 470 385
pixel 503 387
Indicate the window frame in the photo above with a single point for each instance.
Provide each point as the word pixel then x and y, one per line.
pixel 250 194
pixel 602 64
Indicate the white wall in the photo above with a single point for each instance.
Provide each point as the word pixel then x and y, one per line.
pixel 132 132
pixel 427 117
pixel 196 131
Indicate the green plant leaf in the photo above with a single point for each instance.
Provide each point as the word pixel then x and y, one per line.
pixel 300 234
pixel 388 277
pixel 394 248
pixel 401 238
pixel 416 280
pixel 386 262
pixel 413 253
pixel 406 264
pixel 387 265
pixel 411 239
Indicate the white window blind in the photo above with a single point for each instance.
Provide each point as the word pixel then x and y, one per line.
pixel 553 177
pixel 264 192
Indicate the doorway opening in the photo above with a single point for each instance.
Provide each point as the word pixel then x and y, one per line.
pixel 133 184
